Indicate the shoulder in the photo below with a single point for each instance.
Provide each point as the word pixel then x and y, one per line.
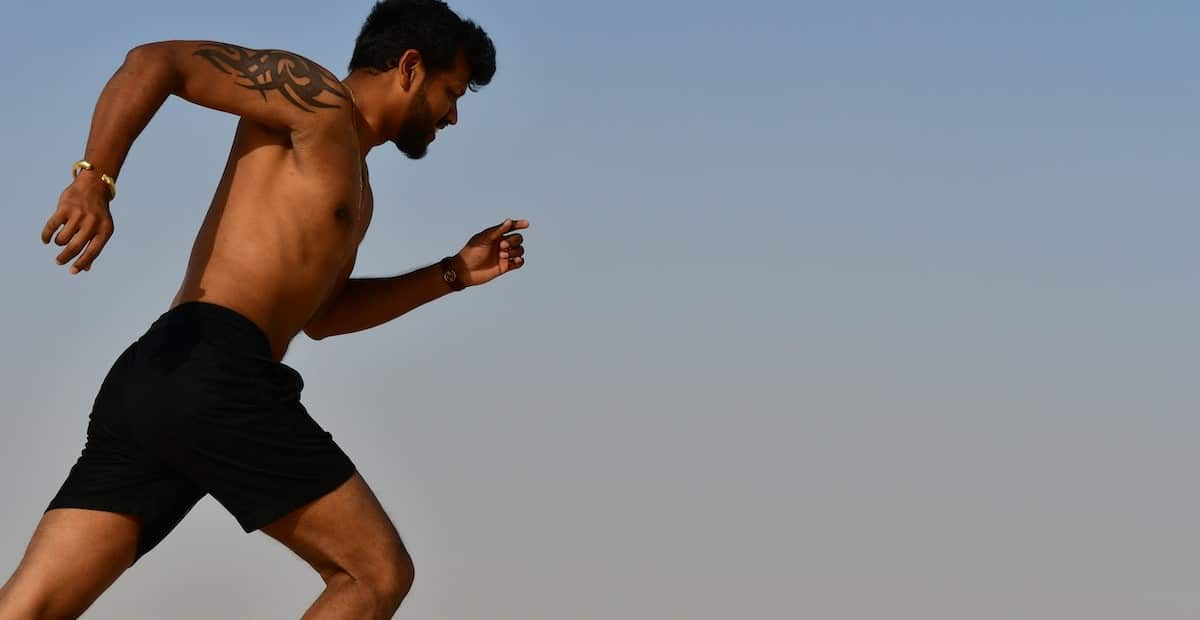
pixel 274 69
pixel 277 88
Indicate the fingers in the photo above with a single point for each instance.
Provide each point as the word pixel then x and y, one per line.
pixel 56 220
pixel 509 264
pixel 75 268
pixel 504 227
pixel 512 240
pixel 93 249
pixel 512 253
pixel 87 229
pixel 68 231
pixel 507 225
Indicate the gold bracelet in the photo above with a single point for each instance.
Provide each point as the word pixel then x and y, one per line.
pixel 83 164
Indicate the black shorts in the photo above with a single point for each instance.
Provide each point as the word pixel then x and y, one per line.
pixel 197 405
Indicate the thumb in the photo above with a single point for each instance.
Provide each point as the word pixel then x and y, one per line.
pixel 504 227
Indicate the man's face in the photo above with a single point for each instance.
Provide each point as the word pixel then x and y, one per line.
pixel 433 106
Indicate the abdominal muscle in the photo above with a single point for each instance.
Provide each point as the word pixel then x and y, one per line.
pixel 276 235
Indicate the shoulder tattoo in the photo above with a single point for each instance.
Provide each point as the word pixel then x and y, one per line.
pixel 299 80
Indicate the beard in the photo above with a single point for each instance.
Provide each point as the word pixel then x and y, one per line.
pixel 413 136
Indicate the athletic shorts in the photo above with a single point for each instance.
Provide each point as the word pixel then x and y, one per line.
pixel 196 406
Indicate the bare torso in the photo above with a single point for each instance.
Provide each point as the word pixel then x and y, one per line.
pixel 281 231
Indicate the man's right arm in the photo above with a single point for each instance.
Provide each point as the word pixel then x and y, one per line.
pixel 274 88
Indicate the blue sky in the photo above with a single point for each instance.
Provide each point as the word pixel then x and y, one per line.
pixel 832 310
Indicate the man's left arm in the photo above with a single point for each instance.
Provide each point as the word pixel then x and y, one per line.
pixel 363 303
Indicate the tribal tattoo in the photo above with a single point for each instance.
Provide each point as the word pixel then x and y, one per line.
pixel 297 79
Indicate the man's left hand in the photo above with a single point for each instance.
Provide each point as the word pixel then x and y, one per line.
pixel 491 253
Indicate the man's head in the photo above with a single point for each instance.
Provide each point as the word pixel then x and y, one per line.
pixel 429 57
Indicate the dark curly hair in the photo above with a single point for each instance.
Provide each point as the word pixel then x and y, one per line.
pixel 430 27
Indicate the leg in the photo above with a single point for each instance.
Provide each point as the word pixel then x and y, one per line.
pixel 115 505
pixel 72 558
pixel 348 539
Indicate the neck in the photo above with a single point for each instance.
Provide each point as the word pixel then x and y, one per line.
pixel 364 125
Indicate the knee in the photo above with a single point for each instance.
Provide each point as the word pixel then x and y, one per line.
pixel 398 580
pixel 390 580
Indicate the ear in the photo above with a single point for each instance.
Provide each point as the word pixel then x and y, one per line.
pixel 410 69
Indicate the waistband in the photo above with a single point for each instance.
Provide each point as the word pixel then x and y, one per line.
pixel 219 325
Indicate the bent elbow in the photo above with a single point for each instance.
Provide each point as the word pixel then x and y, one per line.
pixel 152 62
pixel 146 53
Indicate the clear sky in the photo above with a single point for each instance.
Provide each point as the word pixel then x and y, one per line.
pixel 832 310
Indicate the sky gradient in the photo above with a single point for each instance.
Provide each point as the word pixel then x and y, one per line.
pixel 832 310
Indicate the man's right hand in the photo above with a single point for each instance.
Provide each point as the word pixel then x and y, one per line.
pixel 85 220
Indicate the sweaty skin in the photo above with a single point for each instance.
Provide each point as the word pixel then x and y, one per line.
pixel 294 202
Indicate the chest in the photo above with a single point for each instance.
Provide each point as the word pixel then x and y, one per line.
pixel 353 217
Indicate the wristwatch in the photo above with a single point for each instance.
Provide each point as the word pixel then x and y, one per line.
pixel 450 276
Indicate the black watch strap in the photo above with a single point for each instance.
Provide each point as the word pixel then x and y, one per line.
pixel 450 276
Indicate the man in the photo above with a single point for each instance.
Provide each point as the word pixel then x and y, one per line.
pixel 202 403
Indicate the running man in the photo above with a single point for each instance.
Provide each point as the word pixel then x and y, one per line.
pixel 201 403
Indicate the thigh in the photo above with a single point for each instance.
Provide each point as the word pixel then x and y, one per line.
pixel 115 475
pixel 73 557
pixel 231 422
pixel 345 530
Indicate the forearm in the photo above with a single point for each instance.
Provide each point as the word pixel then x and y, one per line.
pixel 367 302
pixel 129 100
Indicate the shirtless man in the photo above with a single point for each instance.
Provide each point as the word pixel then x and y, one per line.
pixel 202 403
